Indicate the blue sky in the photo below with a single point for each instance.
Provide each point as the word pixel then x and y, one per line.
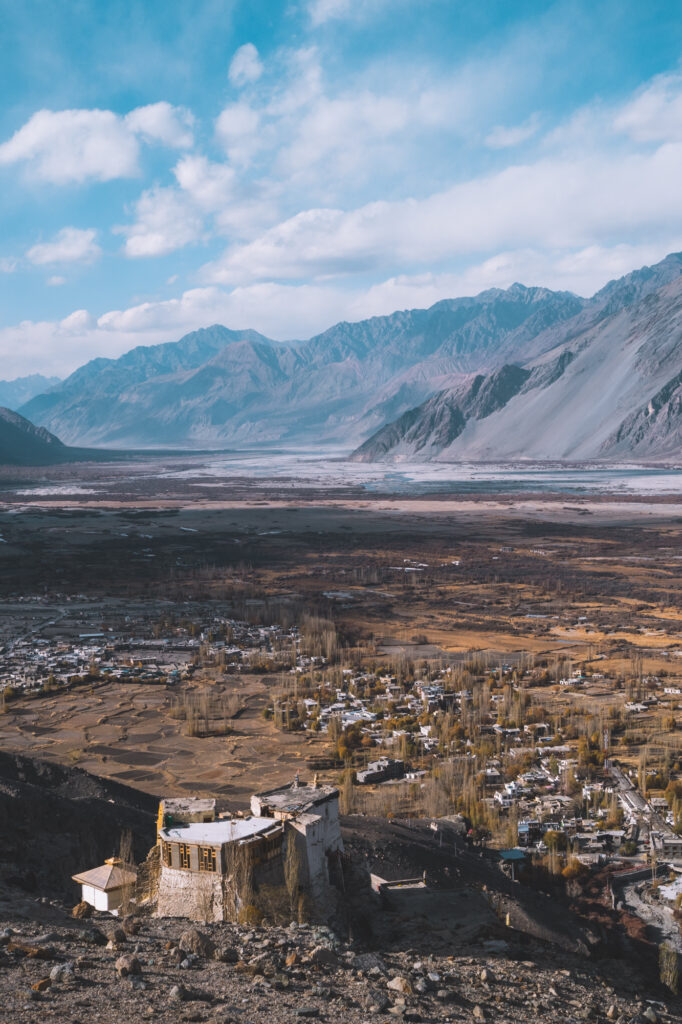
pixel 284 165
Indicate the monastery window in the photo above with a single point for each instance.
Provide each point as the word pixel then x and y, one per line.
pixel 207 858
pixel 183 851
pixel 166 851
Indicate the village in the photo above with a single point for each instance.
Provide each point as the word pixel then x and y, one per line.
pixel 505 756
pixel 54 653
pixel 493 736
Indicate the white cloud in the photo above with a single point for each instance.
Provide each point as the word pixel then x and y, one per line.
pixel 582 271
pixel 56 281
pixel 77 145
pixel 344 131
pixel 245 66
pixel 210 185
pixel 74 145
pixel 70 245
pixel 552 203
pixel 165 221
pixel 236 129
pixel 7 265
pixel 322 11
pixel 503 138
pixel 655 113
pixel 163 123
pixel 298 311
pixel 79 320
pixel 172 217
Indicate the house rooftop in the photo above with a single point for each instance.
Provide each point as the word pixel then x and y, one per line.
pixel 113 874
pixel 296 797
pixel 216 833
pixel 194 804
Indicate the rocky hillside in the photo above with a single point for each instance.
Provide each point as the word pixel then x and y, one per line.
pixel 56 821
pixel 169 971
pixel 23 444
pixel 440 952
pixel 611 389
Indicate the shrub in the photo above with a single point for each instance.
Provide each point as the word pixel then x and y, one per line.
pixel 668 966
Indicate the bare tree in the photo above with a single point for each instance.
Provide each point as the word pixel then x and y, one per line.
pixel 292 871
pixel 127 858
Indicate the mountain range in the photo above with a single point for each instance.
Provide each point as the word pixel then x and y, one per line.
pixel 15 393
pixel 516 372
pixel 610 388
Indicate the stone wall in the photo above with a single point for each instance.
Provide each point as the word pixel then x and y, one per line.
pixel 195 895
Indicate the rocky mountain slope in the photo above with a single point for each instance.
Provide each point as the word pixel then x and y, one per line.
pixel 218 386
pixel 55 821
pixel 169 971
pixel 14 393
pixel 23 444
pixel 612 388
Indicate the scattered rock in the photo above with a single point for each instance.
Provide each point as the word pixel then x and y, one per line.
pixel 28 950
pixel 400 984
pixel 82 910
pixel 375 1001
pixel 193 941
pixel 226 955
pixel 42 985
pixel 128 964
pixel 324 955
pixel 62 972
pixel 368 962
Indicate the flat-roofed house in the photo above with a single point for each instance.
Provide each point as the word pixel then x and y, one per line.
pixel 311 814
pixel 185 810
pixel 200 861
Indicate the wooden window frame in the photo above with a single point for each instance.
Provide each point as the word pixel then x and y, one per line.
pixel 184 856
pixel 207 859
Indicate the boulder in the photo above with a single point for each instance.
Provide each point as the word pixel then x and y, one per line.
pixel 324 955
pixel 400 984
pixel 194 941
pixel 127 964
pixel 117 936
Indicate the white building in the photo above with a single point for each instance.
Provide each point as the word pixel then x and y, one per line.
pixel 106 887
pixel 313 813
